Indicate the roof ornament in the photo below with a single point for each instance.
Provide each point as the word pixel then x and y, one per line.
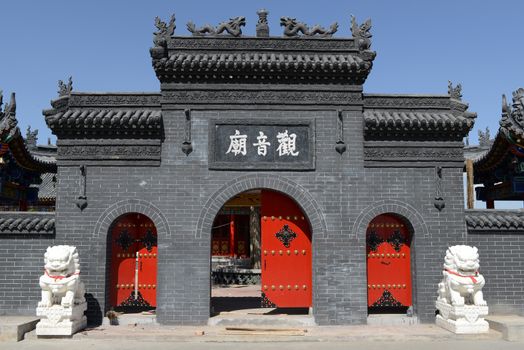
pixel 506 108
pixel 65 89
pixel 484 138
pixel 31 138
pixel 455 92
pixel 512 122
pixel 1 99
pixel 232 27
pixel 262 26
pixel 164 31
pixel 10 108
pixel 518 105
pixel 293 28
pixel 361 33
pixel 8 122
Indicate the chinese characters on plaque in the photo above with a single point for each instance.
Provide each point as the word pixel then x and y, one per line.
pixel 261 145
pixel 286 144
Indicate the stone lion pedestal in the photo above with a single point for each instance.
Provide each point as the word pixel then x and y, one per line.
pixel 465 319
pixel 63 304
pixel 460 301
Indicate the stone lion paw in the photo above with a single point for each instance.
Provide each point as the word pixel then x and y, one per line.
pixel 44 303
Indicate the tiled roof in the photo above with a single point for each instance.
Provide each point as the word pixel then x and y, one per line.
pixel 28 160
pixel 494 220
pixel 47 189
pixel 391 121
pixel 106 118
pixel 27 223
pixel 509 136
pixel 263 61
pixel 117 121
pixel 287 66
pixel 10 134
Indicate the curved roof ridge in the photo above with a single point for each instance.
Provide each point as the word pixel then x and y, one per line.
pixel 11 135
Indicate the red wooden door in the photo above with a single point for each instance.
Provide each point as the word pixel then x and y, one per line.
pixel 286 252
pixel 133 262
pixel 388 263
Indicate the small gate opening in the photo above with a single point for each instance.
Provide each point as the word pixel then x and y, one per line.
pixel 261 255
pixel 388 248
pixel 133 264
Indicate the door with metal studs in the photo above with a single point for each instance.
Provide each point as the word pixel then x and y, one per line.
pixel 388 247
pixel 286 260
pixel 133 263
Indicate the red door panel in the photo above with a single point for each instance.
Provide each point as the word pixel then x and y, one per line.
pixel 133 259
pixel 286 252
pixel 388 262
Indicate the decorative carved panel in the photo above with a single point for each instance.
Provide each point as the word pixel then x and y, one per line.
pixel 261 97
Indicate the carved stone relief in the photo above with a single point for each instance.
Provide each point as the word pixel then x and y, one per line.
pixel 232 27
pixel 262 97
pixel 132 152
pixel 187 147
pixel 439 200
pixel 294 28
pixel 340 146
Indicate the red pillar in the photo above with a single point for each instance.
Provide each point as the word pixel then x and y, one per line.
pixel 490 204
pixel 232 235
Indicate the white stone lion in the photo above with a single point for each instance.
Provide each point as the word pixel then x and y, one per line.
pixel 61 281
pixel 462 284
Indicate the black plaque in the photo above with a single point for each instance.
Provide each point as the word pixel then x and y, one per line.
pixel 266 144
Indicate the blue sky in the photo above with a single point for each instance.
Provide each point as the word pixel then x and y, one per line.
pixel 104 45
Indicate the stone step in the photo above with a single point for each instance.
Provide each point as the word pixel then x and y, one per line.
pixel 15 327
pixel 127 319
pixel 511 326
pixel 259 318
pixel 391 320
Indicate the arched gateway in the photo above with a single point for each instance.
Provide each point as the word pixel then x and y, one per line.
pixel 239 113
pixel 263 237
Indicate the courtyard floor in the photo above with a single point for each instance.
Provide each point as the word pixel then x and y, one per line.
pixel 140 332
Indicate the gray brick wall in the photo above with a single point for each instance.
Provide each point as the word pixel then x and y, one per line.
pixel 21 265
pixel 502 264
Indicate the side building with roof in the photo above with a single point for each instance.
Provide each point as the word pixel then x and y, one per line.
pixel 27 171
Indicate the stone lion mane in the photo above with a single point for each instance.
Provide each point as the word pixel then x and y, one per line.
pixel 60 283
pixel 461 283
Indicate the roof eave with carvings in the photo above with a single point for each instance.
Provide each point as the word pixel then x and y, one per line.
pixel 510 138
pixel 11 135
pixel 221 59
pixel 101 115
pixel 417 117
pixel 484 166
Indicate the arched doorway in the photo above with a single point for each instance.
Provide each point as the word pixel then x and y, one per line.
pixel 388 248
pixel 262 238
pixel 133 270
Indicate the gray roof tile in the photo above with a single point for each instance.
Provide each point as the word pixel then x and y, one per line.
pixel 27 222
pixel 106 118
pixel 416 121
pixel 494 220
